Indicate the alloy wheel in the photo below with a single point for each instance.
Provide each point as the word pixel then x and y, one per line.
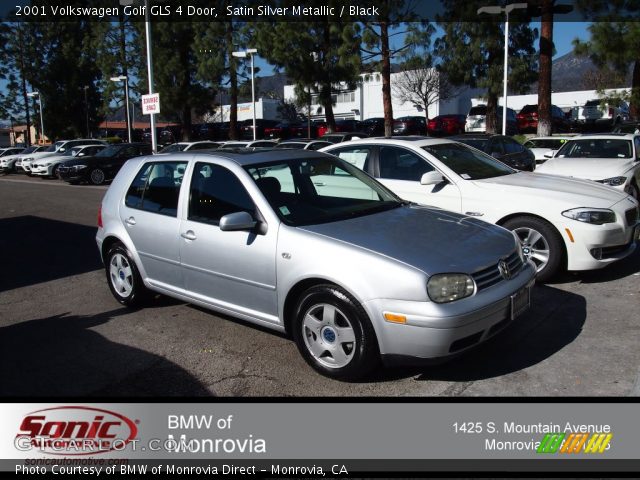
pixel 328 335
pixel 121 275
pixel 534 246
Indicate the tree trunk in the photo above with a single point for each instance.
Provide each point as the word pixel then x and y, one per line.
pixel 27 136
pixel 233 80
pixel 544 73
pixel 492 112
pixel 386 79
pixel 634 107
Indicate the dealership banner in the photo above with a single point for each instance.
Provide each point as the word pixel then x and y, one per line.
pixel 324 438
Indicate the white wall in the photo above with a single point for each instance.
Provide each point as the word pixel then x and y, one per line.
pixel 266 108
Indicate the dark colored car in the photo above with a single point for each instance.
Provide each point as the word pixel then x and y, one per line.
pixel 246 128
pixel 528 119
pixel 103 166
pixel 445 125
pixel 410 126
pixel 501 147
pixel 373 127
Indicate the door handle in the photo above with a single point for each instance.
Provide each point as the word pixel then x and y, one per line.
pixel 189 235
pixel 319 184
pixel 130 221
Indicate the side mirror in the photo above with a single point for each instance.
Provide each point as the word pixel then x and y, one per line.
pixel 81 154
pixel 237 221
pixel 431 178
pixel 550 154
pixel 62 149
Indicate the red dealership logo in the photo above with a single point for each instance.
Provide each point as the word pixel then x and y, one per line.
pixel 72 430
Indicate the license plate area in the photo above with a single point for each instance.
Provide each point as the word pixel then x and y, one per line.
pixel 520 302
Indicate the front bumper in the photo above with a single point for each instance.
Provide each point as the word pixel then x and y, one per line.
pixel 590 247
pixel 435 331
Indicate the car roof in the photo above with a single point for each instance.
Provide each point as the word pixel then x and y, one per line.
pixel 601 136
pixel 414 140
pixel 246 157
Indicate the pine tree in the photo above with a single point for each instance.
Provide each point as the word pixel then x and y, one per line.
pixel 472 53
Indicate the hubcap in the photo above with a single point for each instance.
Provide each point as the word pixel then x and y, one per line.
pixel 121 275
pixel 328 335
pixel 97 176
pixel 534 246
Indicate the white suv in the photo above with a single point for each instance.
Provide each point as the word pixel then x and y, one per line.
pixel 595 113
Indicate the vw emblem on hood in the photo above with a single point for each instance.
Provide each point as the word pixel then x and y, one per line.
pixel 504 270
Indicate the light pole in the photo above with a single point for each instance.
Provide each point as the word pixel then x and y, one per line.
pixel 37 95
pixel 86 106
pixel 243 54
pixel 126 100
pixel 497 10
pixel 147 31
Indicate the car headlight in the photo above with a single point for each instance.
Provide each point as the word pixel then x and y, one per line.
pixel 448 287
pixel 614 181
pixel 595 216
pixel 30 159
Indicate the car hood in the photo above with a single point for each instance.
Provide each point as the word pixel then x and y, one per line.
pixel 39 155
pixel 50 158
pixel 589 168
pixel 81 161
pixel 426 238
pixel 539 186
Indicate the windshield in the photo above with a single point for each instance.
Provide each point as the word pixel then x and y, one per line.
pixel 320 190
pixel 553 144
pixel 71 152
pixel 29 150
pixel 109 151
pixel 470 164
pixel 176 147
pixel 50 148
pixel 57 145
pixel 596 148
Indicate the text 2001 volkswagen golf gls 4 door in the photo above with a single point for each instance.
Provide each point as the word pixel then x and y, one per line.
pixel 305 243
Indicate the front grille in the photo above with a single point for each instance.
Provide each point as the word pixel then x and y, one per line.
pixel 491 275
pixel 632 216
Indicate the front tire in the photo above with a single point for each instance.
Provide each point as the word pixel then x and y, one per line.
pixel 541 243
pixel 123 277
pixel 96 176
pixel 634 191
pixel 334 334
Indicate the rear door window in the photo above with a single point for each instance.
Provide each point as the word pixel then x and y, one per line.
pixel 156 188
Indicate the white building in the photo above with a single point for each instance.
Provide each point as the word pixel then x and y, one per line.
pixel 366 101
pixel 266 108
pixel 564 100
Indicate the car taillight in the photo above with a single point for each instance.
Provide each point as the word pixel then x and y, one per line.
pixel 100 217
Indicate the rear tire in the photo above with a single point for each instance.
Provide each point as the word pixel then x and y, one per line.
pixel 123 277
pixel 541 243
pixel 334 334
pixel 634 191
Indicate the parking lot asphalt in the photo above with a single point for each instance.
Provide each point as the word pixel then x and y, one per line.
pixel 63 334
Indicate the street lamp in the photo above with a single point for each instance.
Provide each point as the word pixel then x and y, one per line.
pixel 497 10
pixel 37 95
pixel 147 31
pixel 243 54
pixel 126 100
pixel 86 106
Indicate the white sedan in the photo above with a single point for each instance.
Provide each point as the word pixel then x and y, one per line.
pixel 561 222
pixel 48 166
pixel 543 146
pixel 612 159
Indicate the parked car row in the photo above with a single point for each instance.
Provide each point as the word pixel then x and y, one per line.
pixel 422 247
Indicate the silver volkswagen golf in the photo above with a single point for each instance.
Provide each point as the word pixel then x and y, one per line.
pixel 305 243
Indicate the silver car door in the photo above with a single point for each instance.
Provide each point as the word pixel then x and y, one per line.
pixel 233 270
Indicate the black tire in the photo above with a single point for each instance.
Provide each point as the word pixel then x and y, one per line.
pixel 97 176
pixel 130 290
pixel 54 172
pixel 344 361
pixel 549 235
pixel 634 191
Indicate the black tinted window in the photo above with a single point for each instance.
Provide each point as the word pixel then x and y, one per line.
pixel 400 164
pixel 156 188
pixel 216 192
pixel 511 146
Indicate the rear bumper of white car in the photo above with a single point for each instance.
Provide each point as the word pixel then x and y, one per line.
pixel 429 336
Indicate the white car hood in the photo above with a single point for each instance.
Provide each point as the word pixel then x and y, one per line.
pixel 539 187
pixel 589 168
pixel 50 158
pixel 39 155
